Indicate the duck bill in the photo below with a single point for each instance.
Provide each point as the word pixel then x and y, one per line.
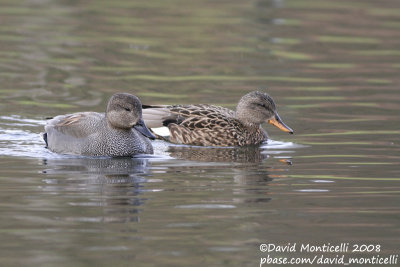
pixel 277 122
pixel 141 128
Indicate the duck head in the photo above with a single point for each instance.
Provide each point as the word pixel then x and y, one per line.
pixel 124 111
pixel 256 108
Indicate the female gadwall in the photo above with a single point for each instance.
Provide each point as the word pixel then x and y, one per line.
pixel 207 125
pixel 119 132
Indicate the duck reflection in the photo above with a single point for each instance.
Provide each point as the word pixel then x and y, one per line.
pixel 248 154
pixel 114 184
pixel 116 189
pixel 97 165
pixel 251 177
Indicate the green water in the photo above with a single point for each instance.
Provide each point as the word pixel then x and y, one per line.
pixel 332 68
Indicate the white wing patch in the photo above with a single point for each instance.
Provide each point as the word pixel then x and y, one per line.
pixel 161 131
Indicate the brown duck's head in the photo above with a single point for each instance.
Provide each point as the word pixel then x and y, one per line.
pixel 257 107
pixel 124 111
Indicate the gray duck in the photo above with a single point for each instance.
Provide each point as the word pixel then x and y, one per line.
pixel 120 131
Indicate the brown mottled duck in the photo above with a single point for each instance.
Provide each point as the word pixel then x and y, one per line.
pixel 209 125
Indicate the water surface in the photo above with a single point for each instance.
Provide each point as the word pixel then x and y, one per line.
pixel 331 66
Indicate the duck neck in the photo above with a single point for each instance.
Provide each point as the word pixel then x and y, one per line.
pixel 116 127
pixel 246 121
pixel 244 118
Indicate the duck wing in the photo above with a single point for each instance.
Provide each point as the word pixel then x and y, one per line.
pixel 163 115
pixel 77 125
pixel 207 127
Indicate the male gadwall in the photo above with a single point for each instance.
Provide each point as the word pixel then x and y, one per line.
pixel 208 125
pixel 118 132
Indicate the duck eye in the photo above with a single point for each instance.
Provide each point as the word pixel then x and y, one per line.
pixel 127 109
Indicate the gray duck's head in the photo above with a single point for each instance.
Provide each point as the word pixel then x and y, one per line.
pixel 256 108
pixel 124 111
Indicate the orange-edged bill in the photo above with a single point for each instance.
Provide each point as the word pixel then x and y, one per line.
pixel 277 122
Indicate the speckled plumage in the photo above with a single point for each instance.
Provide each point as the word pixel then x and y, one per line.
pixel 118 132
pixel 208 125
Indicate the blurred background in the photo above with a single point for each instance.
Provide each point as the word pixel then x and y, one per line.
pixel 332 68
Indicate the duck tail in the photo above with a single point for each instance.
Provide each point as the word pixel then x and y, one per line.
pixel 44 136
pixel 155 116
